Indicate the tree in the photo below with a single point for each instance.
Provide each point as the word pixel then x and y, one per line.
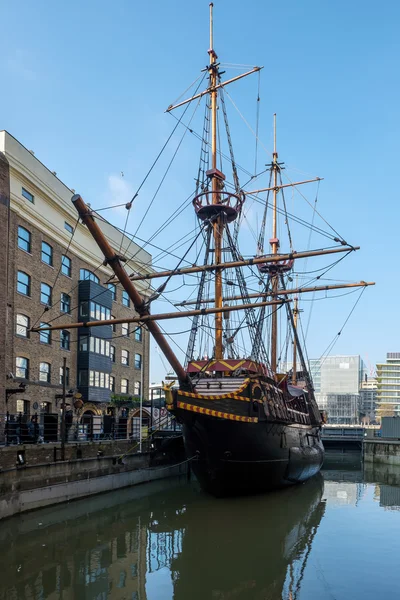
pixel 385 409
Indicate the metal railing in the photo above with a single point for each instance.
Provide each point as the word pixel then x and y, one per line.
pixel 43 428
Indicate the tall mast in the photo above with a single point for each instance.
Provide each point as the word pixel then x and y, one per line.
pixel 274 250
pixel 216 181
pixel 295 315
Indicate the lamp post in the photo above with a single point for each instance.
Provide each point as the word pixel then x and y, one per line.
pixel 141 394
pixel 64 394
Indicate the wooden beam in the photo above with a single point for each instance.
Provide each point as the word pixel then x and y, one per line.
pixel 147 319
pixel 299 290
pixel 257 260
pixel 213 88
pixel 114 261
pixel 284 185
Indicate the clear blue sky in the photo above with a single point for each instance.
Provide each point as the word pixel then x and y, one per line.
pixel 85 84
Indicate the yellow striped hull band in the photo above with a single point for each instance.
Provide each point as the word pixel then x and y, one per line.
pixel 207 397
pixel 216 413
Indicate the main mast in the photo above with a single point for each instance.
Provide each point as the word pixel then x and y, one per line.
pixel 216 181
pixel 274 250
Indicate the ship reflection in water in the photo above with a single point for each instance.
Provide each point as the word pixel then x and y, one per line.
pixel 332 537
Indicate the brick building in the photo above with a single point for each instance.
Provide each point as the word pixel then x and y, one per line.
pixel 51 271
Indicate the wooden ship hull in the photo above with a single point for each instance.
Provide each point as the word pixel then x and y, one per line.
pixel 247 435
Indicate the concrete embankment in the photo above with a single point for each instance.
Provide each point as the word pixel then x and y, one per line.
pixel 42 481
pixel 381 451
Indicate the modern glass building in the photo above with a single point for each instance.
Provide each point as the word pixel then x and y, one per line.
pixel 337 382
pixel 315 371
pixel 342 409
pixel 341 374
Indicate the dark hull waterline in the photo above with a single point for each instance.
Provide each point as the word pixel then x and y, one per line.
pixel 234 458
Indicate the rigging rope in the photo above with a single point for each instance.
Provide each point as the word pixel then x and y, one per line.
pixel 336 337
pixel 166 172
pixel 129 204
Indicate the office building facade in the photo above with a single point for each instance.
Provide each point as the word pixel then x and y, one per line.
pixel 368 396
pixel 388 386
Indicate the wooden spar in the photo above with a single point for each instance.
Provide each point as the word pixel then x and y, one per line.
pixel 258 260
pixel 113 260
pixel 284 185
pixel 148 319
pixel 217 87
pixel 280 292
pixel 274 249
pixel 217 225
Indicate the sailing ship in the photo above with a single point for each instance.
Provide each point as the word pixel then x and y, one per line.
pixel 248 424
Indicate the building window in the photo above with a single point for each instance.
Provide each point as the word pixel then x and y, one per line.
pixel 22 367
pixel 98 312
pixel 138 334
pixel 28 195
pixel 66 265
pixel 65 303
pixel 136 388
pixel 112 353
pixel 45 294
pixel 44 372
pixel 114 325
pixel 126 301
pixel 125 329
pixel 125 357
pixel 138 361
pixel 84 274
pixel 83 343
pixel 22 327
pixel 68 227
pixel 124 386
pixel 66 376
pixel 113 290
pixel 24 239
pixel 99 379
pixel 47 254
pixel 45 336
pixel 23 283
pixel 83 377
pixel 99 346
pixel 23 406
pixel 112 383
pixel 65 338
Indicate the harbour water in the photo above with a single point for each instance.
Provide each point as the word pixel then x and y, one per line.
pixel 335 537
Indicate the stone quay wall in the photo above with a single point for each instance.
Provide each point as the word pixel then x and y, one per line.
pixel 382 451
pixel 91 468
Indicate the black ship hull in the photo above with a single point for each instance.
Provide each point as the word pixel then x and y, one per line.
pixel 235 458
pixel 247 435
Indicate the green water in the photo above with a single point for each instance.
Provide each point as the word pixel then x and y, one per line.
pixel 337 537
